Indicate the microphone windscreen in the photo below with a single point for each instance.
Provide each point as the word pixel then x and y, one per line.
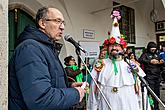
pixel 66 37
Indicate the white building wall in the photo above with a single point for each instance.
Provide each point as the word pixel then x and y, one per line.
pixel 145 29
pixel 78 17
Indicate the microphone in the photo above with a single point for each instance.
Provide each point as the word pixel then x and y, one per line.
pixel 77 45
pixel 124 57
pixel 121 53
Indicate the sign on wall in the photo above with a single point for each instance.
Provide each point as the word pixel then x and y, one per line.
pixel 90 34
pixel 161 38
pixel 91 47
pixel 160 26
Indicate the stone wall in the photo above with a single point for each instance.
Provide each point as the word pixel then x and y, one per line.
pixel 3 54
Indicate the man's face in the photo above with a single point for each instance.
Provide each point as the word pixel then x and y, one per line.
pixel 115 49
pixel 102 54
pixel 163 48
pixel 54 24
pixel 152 50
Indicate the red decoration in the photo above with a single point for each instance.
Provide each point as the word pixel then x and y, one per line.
pixel 106 41
pixel 123 43
pixel 109 33
pixel 112 40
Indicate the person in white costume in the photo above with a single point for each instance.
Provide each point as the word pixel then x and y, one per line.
pixel 114 76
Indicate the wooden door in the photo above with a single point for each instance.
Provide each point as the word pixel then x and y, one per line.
pixel 18 19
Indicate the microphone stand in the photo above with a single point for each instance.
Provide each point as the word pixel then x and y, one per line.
pixel 143 81
pixel 142 90
pixel 78 53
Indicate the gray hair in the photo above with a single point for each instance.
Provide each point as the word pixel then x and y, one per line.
pixel 41 14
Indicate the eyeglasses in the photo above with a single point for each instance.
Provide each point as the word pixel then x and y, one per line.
pixel 57 21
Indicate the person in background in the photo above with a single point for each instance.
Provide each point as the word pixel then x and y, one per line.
pixel 152 67
pixel 162 56
pixel 103 53
pixel 162 52
pixel 132 57
pixel 74 74
pixel 37 79
pixel 128 50
pixel 72 70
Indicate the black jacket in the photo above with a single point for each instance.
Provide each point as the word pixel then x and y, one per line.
pixel 152 70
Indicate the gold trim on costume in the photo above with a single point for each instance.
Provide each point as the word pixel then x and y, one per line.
pixel 115 90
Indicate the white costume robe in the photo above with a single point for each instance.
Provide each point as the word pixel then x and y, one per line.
pixel 125 97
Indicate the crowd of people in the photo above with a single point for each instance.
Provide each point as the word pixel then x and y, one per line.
pixel 154 70
pixel 38 80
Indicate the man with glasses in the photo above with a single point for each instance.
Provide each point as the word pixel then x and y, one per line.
pixel 152 67
pixel 37 79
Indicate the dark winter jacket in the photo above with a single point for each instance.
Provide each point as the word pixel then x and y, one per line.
pixel 37 80
pixel 152 70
